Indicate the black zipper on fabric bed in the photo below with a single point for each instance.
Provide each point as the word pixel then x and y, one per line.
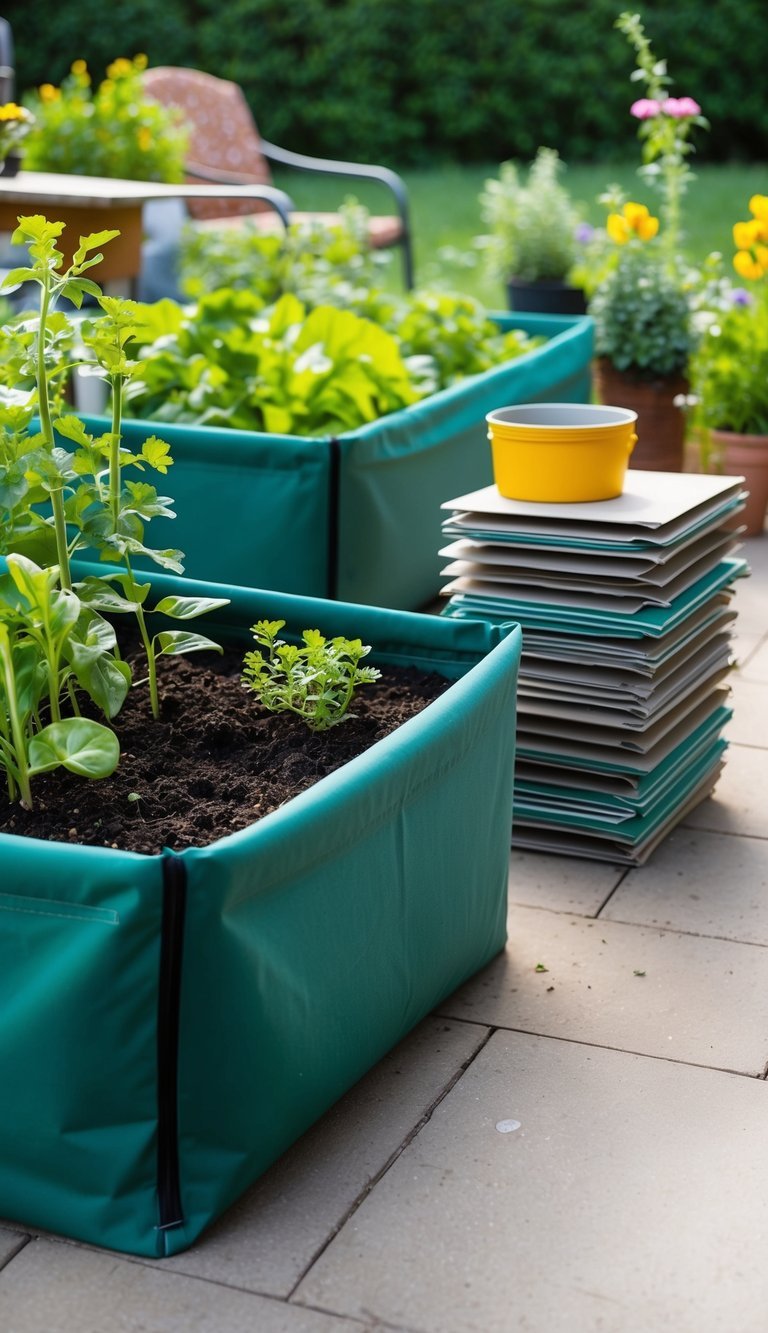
pixel 334 477
pixel 169 993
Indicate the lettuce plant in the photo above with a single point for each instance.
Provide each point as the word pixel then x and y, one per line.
pixel 316 681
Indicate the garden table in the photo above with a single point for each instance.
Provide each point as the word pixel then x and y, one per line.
pixel 93 203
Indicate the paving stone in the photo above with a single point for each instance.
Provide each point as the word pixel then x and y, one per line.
pixel 57 1288
pixel 755 667
pixel 559 883
pixel 10 1242
pixel 739 802
pixel 266 1241
pixel 749 724
pixel 700 1000
pixel 705 883
pixel 630 1200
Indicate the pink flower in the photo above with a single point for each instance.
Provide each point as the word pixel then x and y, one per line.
pixel 645 108
pixel 680 107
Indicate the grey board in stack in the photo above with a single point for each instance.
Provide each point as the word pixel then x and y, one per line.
pixel 625 607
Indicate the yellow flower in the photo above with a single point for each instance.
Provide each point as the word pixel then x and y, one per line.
pixel 758 206
pixel 745 234
pixel 10 111
pixel 746 266
pixel 48 93
pixel 618 228
pixel 632 218
pixel 140 62
pixel 79 67
pixel 119 68
pixel 760 254
pixel 144 139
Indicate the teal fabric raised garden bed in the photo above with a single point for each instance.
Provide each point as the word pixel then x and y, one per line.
pixel 355 517
pixel 171 1024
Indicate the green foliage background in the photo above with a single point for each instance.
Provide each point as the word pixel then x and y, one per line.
pixel 410 82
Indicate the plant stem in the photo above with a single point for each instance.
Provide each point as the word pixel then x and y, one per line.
pixel 46 425
pixel 114 450
pixel 146 639
pixel 17 730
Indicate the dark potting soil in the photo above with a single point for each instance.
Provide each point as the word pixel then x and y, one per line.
pixel 215 762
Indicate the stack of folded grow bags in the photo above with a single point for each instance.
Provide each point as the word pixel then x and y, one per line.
pixel 625 610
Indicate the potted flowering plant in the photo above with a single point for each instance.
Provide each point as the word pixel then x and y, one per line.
pixel 231 991
pixel 644 336
pixel 534 238
pixel 112 129
pixel 643 302
pixel 15 124
pixel 730 371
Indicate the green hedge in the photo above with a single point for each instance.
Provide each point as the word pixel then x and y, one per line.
pixel 430 80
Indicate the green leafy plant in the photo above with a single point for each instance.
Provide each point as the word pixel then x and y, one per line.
pixel 316 261
pixel 533 222
pixel 231 361
pixel 316 681
pixel 281 369
pixel 43 648
pixel 57 501
pixel 729 373
pixel 642 317
pixel 111 130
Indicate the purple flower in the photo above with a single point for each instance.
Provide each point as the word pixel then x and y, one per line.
pixel 645 108
pixel 584 233
pixel 680 107
pixel 740 296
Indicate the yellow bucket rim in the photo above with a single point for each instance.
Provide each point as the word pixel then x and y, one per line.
pixel 619 417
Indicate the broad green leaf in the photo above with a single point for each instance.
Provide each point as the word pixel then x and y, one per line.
pixel 188 608
pixel 176 641
pixel 30 579
pixel 106 679
pixel 98 594
pixel 72 428
pixel 77 744
pixel 17 275
pixel 92 242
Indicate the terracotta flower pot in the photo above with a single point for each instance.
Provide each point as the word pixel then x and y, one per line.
pixel 660 424
pixel 746 456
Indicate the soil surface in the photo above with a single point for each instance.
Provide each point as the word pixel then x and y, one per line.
pixel 216 761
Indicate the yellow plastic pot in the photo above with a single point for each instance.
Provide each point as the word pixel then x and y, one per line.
pixel 561 452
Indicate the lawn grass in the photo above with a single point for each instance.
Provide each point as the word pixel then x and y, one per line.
pixel 446 213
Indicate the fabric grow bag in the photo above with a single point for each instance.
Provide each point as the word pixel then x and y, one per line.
pixel 355 517
pixel 171 1024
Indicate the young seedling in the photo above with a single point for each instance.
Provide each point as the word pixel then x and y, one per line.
pixel 315 681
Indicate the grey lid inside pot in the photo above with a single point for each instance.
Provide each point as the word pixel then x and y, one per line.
pixel 562 414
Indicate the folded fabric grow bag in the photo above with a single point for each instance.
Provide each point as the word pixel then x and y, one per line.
pixel 171 1024
pixel 355 517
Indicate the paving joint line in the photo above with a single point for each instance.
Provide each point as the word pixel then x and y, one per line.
pixel 603 1046
pixel 22 1245
pixel 399 1150
pixel 616 886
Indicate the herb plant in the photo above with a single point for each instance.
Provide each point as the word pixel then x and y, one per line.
pixel 533 223
pixel 315 681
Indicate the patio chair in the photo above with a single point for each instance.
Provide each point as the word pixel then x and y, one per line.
pixel 227 149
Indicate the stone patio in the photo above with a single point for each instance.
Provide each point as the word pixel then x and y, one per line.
pixel 580 1149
